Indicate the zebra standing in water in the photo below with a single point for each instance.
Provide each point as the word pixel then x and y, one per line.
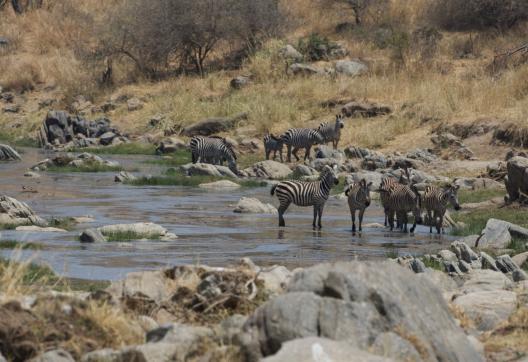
pixel 297 138
pixel 332 132
pixel 213 150
pixel 272 143
pixel 435 201
pixel 402 199
pixel 386 186
pixel 358 199
pixel 303 193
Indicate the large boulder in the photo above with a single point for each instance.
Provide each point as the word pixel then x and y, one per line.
pixel 239 82
pixel 365 109
pixel 356 302
pixel 7 153
pixel 250 205
pixel 305 69
pixel 269 169
pixel 56 355
pixel 170 145
pixel 142 230
pixel 498 234
pixel 517 180
pixel 14 212
pixel 477 183
pixel 211 126
pixel 290 53
pixel 201 169
pixel 350 67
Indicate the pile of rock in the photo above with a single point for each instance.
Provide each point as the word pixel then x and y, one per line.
pixel 60 129
pixel 14 212
pixel 450 146
pixel 171 145
pixel 71 160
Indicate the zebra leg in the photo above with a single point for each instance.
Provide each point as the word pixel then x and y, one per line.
pixel 282 210
pixel 307 152
pixel 268 154
pixel 321 207
pixel 280 154
pixel 439 222
pixel 361 212
pixel 386 217
pixel 413 227
pixel 431 222
pixel 289 153
pixel 295 150
pixel 315 213
pixel 390 218
pixel 353 214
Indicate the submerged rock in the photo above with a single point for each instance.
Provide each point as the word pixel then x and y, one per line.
pixel 92 236
pixel 142 230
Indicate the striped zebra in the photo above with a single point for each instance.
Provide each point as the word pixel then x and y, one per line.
pixel 214 150
pixel 331 132
pixel 401 200
pixel 435 201
pixel 358 199
pixel 272 143
pixel 304 193
pixel 297 138
pixel 386 186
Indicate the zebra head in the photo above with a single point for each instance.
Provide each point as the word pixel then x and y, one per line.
pixel 363 194
pixel 329 176
pixel 339 121
pixel 451 194
pixel 417 207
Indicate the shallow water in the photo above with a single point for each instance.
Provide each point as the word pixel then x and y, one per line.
pixel 209 232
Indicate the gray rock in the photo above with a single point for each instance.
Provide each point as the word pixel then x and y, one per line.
pixel 146 230
pixel 170 145
pixel 305 69
pixel 303 170
pixel 324 151
pixel 15 212
pixel 350 67
pixel 124 176
pixel 464 266
pixel 520 259
pixel 219 185
pixel 440 279
pixel 56 355
pixel 505 264
pixel 229 328
pixel 107 138
pixel 7 153
pixel 365 109
pixel 211 126
pixel 519 275
pixel 485 280
pixel 391 345
pixel 478 183
pixel 447 255
pixel 12 108
pixel 418 266
pixel 488 262
pixel 516 181
pixel 180 334
pixel 134 104
pixel 92 236
pixel 225 171
pixel 317 349
pixel 289 52
pixel 452 267
pixel 369 176
pixel 270 169
pixel 498 234
pixel 355 302
pixel 275 278
pixel 31 174
pixel 151 285
pixel 422 155
pixel 201 169
pixel 463 251
pixel 320 163
pixel 239 82
pixel 249 205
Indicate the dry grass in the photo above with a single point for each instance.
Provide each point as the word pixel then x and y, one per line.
pixel 512 335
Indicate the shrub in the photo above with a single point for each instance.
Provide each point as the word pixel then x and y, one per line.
pixel 316 47
pixel 477 14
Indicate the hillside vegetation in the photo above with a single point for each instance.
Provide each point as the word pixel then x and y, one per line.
pixel 431 61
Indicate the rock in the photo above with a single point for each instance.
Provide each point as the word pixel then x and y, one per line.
pixel 392 345
pixel 249 205
pixel 355 302
pixel 12 108
pixel 451 267
pixel 463 251
pixel 365 109
pixel 304 69
pixel 505 264
pixel 152 285
pixel 422 155
pixel 417 266
pixel 517 180
pixel 369 176
pixel 358 152
pixel 485 280
pixel 92 236
pixel 239 82
pixel 446 139
pixel 223 184
pixel 316 349
pixel 7 153
pixel 270 169
pixel 15 212
pixel 324 151
pixel 179 334
pixel 519 275
pixel 320 163
pixel 211 126
pixel 478 183
pixel 31 174
pixel 7 96
pixel 289 52
pixel 303 170
pixel 440 279
pixel 170 145
pixel 487 308
pixel 498 234
pixel 488 262
pixel 134 104
pixel 146 230
pixel 374 161
pixel 464 267
pixel 107 138
pixel 350 67
pixel 225 171
pixel 520 259
pixel 56 355
pixel 447 255
pixel 229 328
pixel 404 162
pixel 275 278
pixel 124 176
pixel 34 228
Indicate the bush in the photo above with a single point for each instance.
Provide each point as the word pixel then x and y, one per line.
pixel 477 14
pixel 316 47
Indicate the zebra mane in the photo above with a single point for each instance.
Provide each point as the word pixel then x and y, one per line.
pixel 275 138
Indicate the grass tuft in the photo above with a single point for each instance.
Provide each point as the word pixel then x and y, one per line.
pixel 13 244
pixel 476 220
pixel 87 167
pixel 178 158
pixel 471 196
pixel 133 148
pixel 129 235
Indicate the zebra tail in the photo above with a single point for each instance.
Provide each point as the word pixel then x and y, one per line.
pixel 273 190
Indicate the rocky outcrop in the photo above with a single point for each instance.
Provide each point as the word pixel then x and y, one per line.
pixel 350 68
pixel 211 126
pixel 498 234
pixel 301 69
pixel 365 109
pixel 450 146
pixel 14 212
pixel 290 53
pixel 356 302
pixel 7 153
pixel 477 183
pixel 249 205
pixel 206 169
pixel 517 179
pixel 71 160
pixel 170 145
pixel 268 169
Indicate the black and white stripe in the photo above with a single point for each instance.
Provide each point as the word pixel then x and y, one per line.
pixel 435 201
pixel 331 132
pixel 386 186
pixel 296 138
pixel 303 193
pixel 358 199
pixel 272 143
pixel 401 200
pixel 214 150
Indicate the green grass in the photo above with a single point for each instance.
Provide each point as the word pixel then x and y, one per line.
pixel 517 245
pixel 476 220
pixel 66 223
pixel 178 158
pixel 470 196
pixel 88 167
pixel 340 187
pixel 133 148
pixel 129 235
pixel 13 244
pixel 9 226
pixel 18 141
pixel 433 264
pixel 392 253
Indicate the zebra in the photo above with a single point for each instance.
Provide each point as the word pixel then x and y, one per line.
pixel 304 193
pixel 272 143
pixel 297 138
pixel 435 201
pixel 387 184
pixel 332 132
pixel 213 150
pixel 358 199
pixel 402 199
